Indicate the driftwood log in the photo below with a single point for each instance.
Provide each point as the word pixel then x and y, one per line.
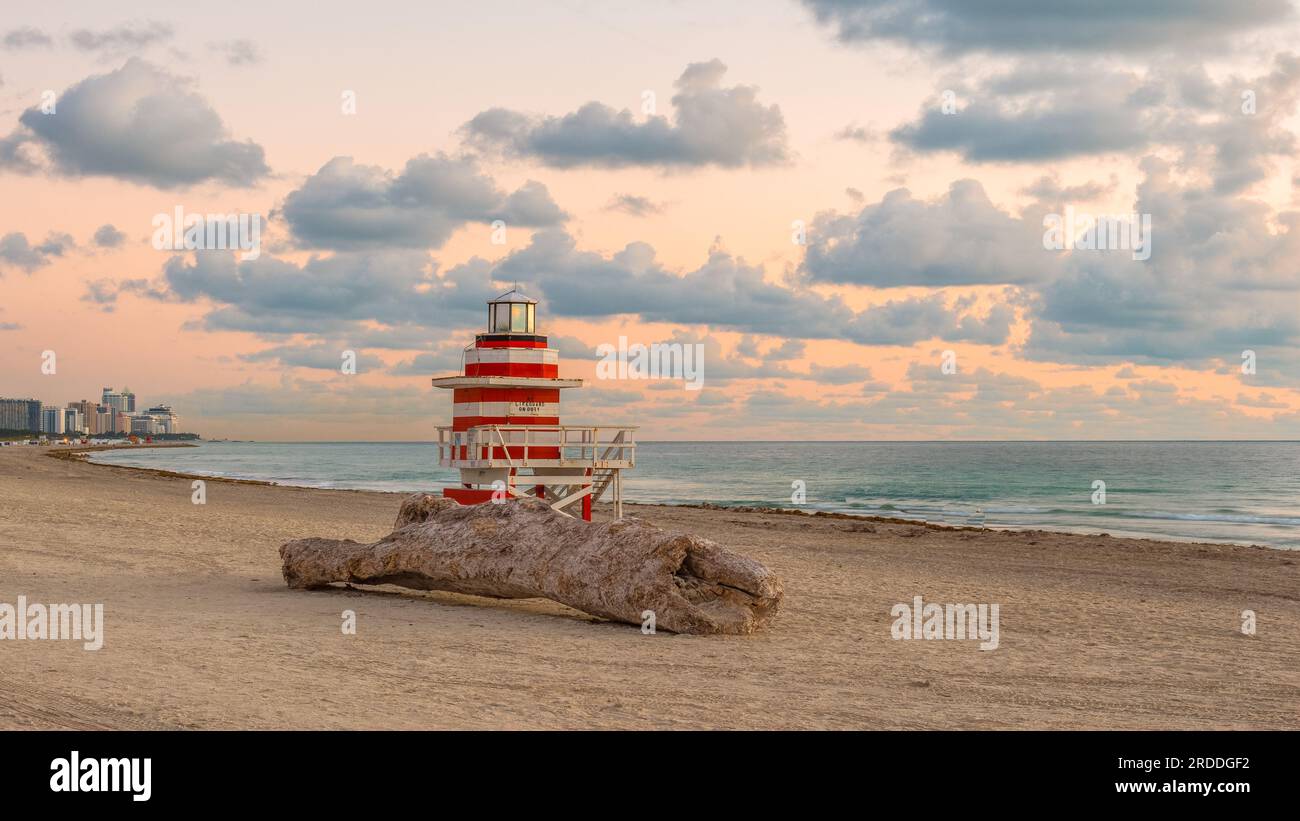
pixel 521 549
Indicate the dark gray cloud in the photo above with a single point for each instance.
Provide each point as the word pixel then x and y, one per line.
pixel 573 348
pixel 447 359
pixel 25 37
pixel 107 236
pixel 908 321
pixel 319 356
pixel 724 293
pixel 992 131
pixel 16 251
pixel 1220 280
pixel 345 206
pixel 335 399
pixel 127 38
pixel 959 26
pixel 1039 112
pixel 634 205
pixel 136 123
pixel 838 374
pixel 961 239
pixel 711 126
pixel 346 295
pixel 323 295
pixel 104 292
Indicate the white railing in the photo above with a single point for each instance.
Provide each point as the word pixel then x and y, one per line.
pixel 495 446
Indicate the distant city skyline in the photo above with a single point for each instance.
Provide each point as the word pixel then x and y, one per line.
pixel 889 233
pixel 114 414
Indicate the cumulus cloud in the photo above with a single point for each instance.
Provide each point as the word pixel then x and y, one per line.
pixel 127 38
pixel 726 293
pixel 284 295
pixel 347 206
pixel 634 205
pixel 336 399
pixel 838 374
pixel 956 26
pixel 25 37
pixel 1039 112
pixel 107 236
pixel 350 293
pixel 1220 278
pixel 104 292
pixel 136 123
pixel 997 129
pixel 960 239
pixel 318 356
pixel 447 359
pixel 711 126
pixel 15 250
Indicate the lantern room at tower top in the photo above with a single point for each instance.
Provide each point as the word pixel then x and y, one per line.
pixel 505 435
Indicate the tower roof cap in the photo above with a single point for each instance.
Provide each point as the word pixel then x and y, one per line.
pixel 513 295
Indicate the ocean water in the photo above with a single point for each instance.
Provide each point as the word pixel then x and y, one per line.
pixel 1242 492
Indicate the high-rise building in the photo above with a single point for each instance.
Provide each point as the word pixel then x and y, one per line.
pixel 52 420
pixel 144 425
pixel 74 422
pixel 165 420
pixel 103 419
pixel 20 414
pixel 124 401
pixel 89 415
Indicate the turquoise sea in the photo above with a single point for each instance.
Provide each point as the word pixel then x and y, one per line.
pixel 1244 492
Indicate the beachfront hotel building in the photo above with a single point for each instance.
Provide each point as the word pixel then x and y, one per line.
pixel 20 414
pixel 73 421
pixel 89 412
pixel 52 419
pixel 165 420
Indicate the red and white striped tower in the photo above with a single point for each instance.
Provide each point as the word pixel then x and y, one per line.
pixel 505 433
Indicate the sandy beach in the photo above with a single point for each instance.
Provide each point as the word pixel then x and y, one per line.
pixel 201 632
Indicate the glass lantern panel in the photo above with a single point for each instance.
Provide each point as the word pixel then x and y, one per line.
pixel 502 321
pixel 532 319
pixel 519 318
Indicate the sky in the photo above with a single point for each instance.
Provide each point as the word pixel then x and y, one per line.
pixel 846 204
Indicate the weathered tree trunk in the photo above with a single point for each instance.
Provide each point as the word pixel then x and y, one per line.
pixel 522 549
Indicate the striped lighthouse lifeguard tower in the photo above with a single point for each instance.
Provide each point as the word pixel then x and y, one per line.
pixel 505 434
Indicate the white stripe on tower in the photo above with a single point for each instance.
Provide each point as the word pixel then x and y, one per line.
pixel 513 356
pixel 461 409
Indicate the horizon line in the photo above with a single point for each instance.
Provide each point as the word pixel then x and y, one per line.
pixel 773 441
